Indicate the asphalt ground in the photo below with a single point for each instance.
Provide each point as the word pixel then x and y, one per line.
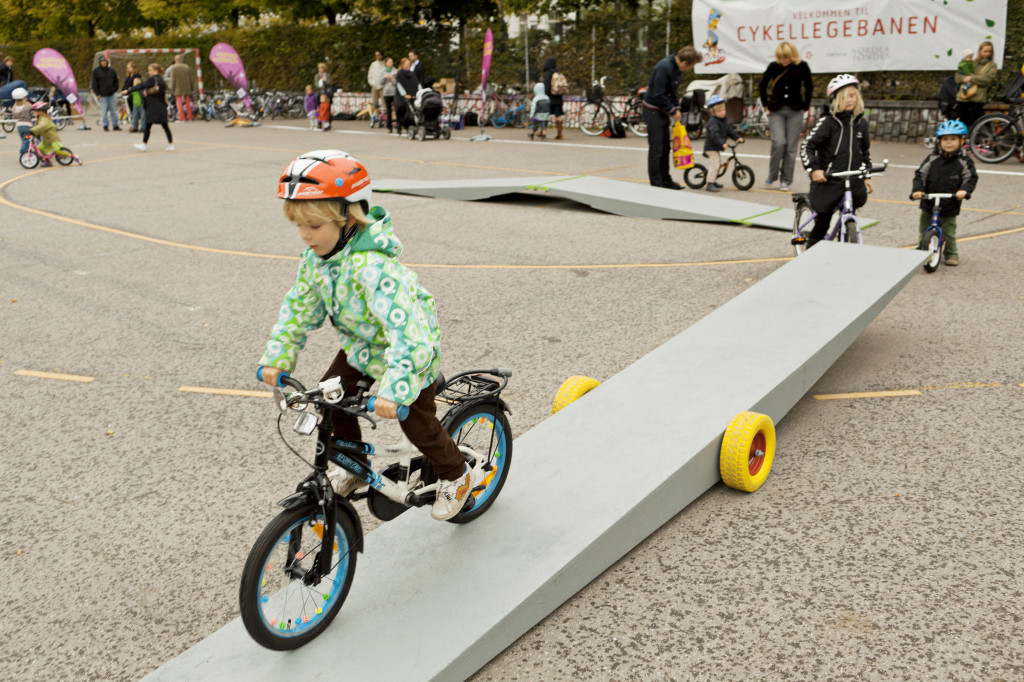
pixel 886 544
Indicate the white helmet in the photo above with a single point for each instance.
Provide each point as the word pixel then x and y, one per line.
pixel 840 82
pixel 19 93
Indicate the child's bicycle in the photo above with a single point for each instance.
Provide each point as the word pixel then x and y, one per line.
pixel 847 226
pixel 379 117
pixel 696 176
pixel 934 238
pixel 755 121
pixel 293 584
pixel 34 156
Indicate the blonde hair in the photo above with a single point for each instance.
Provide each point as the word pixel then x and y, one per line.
pixel 858 109
pixel 322 65
pixel 787 49
pixel 310 212
pixel 156 67
pixel 977 55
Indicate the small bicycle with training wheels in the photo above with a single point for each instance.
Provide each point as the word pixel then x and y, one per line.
pixel 847 225
pixel 934 238
pixel 696 176
pixel 294 583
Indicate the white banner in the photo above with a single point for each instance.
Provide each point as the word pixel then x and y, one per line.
pixel 839 36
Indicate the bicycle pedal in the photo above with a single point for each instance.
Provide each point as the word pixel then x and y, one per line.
pixel 798 240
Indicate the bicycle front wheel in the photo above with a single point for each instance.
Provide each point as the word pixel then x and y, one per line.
pixel 801 221
pixel 931 242
pixel 8 126
pixel 281 609
pixel 483 428
pixel 743 176
pixel 635 120
pixel 593 118
pixel 994 138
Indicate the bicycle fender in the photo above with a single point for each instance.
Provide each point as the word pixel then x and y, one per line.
pixel 304 497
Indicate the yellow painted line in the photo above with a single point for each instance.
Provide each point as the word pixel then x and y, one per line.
pixel 990 235
pixel 602 266
pixel 54 375
pixel 869 394
pixel 225 391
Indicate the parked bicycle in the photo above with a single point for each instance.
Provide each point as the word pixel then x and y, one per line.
pixel 516 113
pixel 294 582
pixel 996 137
pixel 696 176
pixel 755 121
pixel 599 111
pixel 847 225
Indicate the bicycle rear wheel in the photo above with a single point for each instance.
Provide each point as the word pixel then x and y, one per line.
pixel 279 609
pixel 522 118
pixel 994 138
pixel 593 118
pixel 482 427
pixel 65 157
pixel 635 120
pixel 696 176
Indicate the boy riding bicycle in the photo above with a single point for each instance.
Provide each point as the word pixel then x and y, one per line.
pixel 386 322
pixel 838 142
pixel 947 170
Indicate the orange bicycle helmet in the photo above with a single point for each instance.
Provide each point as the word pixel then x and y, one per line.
pixel 325 174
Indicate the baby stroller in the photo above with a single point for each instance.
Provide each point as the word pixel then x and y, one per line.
pixel 426 110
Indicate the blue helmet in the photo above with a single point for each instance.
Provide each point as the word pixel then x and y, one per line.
pixel 954 127
pixel 713 100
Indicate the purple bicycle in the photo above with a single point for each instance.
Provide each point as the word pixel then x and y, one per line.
pixel 847 225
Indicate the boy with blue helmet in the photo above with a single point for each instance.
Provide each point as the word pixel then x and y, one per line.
pixel 717 131
pixel 947 170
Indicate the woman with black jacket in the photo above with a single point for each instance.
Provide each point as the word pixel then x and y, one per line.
pixel 406 87
pixel 154 91
pixel 838 142
pixel 557 111
pixel 785 89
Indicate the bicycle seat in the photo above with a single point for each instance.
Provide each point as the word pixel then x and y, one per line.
pixel 440 383
pixel 632 91
pixel 800 198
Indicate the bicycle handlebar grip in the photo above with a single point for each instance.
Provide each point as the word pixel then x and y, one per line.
pixel 403 410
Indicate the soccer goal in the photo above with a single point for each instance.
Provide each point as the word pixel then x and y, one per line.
pixel 118 60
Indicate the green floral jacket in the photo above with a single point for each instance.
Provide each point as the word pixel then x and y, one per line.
pixel 385 320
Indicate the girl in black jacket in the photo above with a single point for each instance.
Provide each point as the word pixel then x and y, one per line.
pixel 406 87
pixel 154 90
pixel 838 142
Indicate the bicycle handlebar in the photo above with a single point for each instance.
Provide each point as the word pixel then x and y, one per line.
pixel 361 402
pixel 860 172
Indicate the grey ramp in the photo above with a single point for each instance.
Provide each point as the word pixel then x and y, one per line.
pixel 586 485
pixel 464 190
pixel 611 196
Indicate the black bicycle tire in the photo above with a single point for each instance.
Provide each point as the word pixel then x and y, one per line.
pixel 594 118
pixel 932 264
pixel 981 151
pixel 741 169
pixel 696 176
pixel 456 418
pixel 801 213
pixel 253 570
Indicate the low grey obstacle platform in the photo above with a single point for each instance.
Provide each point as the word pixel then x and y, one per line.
pixel 437 601
pixel 611 196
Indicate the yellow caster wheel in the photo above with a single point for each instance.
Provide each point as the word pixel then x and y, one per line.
pixel 571 390
pixel 748 449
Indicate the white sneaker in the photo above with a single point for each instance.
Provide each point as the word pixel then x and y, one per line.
pixel 343 482
pixel 170 148
pixel 452 496
pixel 784 187
pixel 140 146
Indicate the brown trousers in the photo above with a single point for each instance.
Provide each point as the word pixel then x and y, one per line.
pixel 421 426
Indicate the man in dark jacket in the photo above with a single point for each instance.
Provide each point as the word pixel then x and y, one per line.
pixel 104 85
pixel 661 111
pixel 416 66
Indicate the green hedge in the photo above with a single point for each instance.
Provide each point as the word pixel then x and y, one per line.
pixel 619 43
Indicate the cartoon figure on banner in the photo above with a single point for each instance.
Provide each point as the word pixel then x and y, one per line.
pixel 712 53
